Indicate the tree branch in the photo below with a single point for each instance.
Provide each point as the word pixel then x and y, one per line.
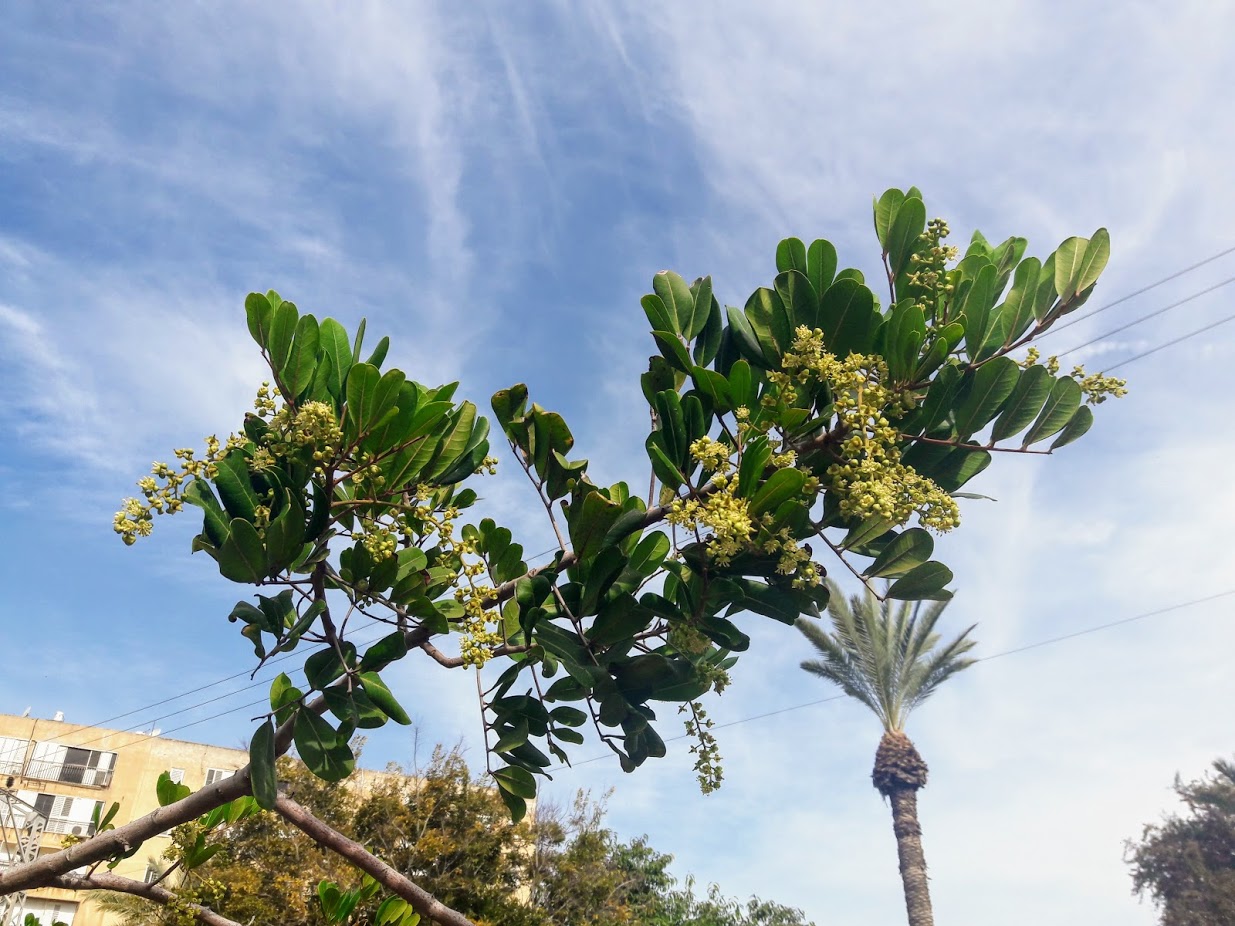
pixel 421 900
pixel 103 881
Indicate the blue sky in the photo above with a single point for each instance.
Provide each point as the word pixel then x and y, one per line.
pixel 494 186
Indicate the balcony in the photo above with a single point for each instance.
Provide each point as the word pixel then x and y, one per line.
pixel 52 770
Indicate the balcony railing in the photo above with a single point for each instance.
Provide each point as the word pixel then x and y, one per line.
pixel 50 770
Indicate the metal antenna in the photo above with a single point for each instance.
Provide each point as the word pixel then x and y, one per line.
pixel 21 828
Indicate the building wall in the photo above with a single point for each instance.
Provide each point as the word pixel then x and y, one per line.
pixel 44 768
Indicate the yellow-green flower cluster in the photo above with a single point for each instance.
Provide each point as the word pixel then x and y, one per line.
pixel 1033 355
pixel 705 750
pixel 722 512
pixel 163 490
pixel 1098 387
pixel 380 542
pixel 930 264
pixel 869 479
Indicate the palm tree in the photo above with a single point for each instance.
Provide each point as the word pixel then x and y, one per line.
pixel 887 656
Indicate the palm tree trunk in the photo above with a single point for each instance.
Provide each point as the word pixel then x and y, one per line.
pixel 912 860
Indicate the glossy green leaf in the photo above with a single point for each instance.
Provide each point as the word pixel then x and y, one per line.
pixel 782 485
pixel 924 582
pixel 886 207
pixel 1017 310
pixel 905 552
pixel 168 791
pixel 988 390
pixel 744 337
pixel 701 308
pixel 847 317
pixel 262 773
pixel 517 781
pixel 235 488
pixel 673 350
pixel 1076 427
pixel 791 255
pixel 675 295
pixel 1061 405
pixel 381 696
pixel 320 748
pixel 333 339
pixel 388 649
pixel 282 331
pixel 907 228
pixel 1069 262
pixel 1097 253
pixel 1024 404
pixel 821 263
pixel 297 372
pixel 260 315
pixel 242 558
pixel 658 315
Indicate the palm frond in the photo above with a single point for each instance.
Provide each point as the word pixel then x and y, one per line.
pixel 886 655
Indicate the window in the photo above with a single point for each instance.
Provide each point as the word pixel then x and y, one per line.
pixel 218 774
pixel 12 755
pixel 71 764
pixel 176 775
pixel 51 911
pixel 152 874
pixel 70 816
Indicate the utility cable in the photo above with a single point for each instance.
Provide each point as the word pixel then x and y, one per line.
pixel 1144 318
pixel 1134 294
pixel 1019 649
pixel 1171 343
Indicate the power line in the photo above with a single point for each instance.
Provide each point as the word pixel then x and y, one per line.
pixel 1020 649
pixel 1134 294
pixel 1171 343
pixel 1144 318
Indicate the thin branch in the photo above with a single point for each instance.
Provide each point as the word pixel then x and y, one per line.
pixel 104 881
pixel 840 556
pixel 455 662
pixel 421 900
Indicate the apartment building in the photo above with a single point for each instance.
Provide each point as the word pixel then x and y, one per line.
pixel 65 771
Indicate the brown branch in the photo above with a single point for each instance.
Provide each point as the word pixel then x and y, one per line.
pixel 455 662
pixel 421 900
pixel 103 881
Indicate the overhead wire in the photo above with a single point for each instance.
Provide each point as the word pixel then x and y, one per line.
pixel 1009 652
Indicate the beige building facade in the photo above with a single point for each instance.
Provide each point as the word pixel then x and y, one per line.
pixel 66 771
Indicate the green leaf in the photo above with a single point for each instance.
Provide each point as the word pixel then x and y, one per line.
pixel 570 716
pixel 380 695
pixel 333 339
pixel 847 317
pixel 297 372
pixel 1024 404
pixel 517 781
pixel 744 337
pixel 168 791
pixel 514 803
pixel 1097 253
pixel 903 554
pixel 285 535
pixel 261 766
pixel 320 748
pixel 820 265
pixel 260 315
pixel 1069 262
pixel 235 488
pixel 675 294
pixel 990 387
pixel 702 308
pixel 1017 310
pixel 886 207
pixel 283 694
pixel 1076 427
pixel 282 330
pixel 903 236
pixel 1060 406
pixel 673 350
pixel 797 293
pixel 791 255
pixel 242 558
pixel 781 486
pixel 215 524
pixel 388 649
pixel 924 582
pixel 658 316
